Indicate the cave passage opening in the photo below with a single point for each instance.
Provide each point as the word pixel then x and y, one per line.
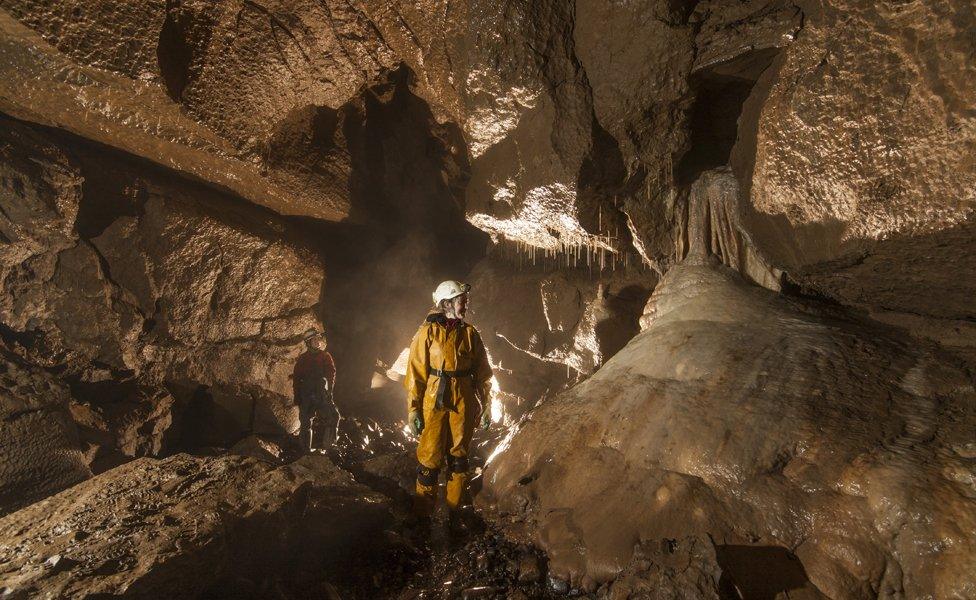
pixel 714 118
pixel 406 229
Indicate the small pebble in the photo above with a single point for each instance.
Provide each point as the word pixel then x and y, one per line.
pixel 558 585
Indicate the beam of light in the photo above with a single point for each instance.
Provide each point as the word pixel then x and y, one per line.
pixel 503 445
pixel 497 408
pixel 398 370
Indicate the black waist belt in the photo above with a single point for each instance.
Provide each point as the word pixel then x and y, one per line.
pixel 442 385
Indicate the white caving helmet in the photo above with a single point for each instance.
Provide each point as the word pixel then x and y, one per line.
pixel 449 289
pixel 313 334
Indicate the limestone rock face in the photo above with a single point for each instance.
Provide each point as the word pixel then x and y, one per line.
pixel 208 88
pixel 546 328
pixel 582 123
pixel 770 426
pixel 238 93
pixel 862 178
pixel 194 527
pixel 149 296
pixel 40 451
pixel 177 177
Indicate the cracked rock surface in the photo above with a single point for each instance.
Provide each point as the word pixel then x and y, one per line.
pixel 187 186
pixel 584 123
pixel 150 297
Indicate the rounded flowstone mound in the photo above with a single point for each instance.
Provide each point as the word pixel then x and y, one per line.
pixel 782 433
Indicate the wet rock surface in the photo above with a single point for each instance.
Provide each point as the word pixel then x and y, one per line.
pixel 482 564
pixel 547 327
pixel 170 315
pixel 187 186
pixel 202 527
pixel 763 422
pixel 40 450
pixel 862 153
pixel 581 125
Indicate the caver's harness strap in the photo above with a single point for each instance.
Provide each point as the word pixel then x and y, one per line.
pixel 445 376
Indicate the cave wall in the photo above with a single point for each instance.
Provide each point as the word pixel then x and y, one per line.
pixel 548 326
pixel 151 153
pixel 42 451
pixel 862 182
pixel 169 314
pixel 581 116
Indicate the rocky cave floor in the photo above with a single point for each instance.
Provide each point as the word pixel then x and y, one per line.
pixel 352 536
pixel 473 558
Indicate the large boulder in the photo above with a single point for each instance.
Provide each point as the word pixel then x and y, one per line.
pixel 199 527
pixel 787 433
pixel 856 158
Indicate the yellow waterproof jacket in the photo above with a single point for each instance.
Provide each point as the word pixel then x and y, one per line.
pixel 436 348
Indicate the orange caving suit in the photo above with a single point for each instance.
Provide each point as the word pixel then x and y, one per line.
pixel 447 373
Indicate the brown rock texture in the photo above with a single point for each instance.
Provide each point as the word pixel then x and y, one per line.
pixel 153 298
pixel 40 452
pixel 194 527
pixel 207 88
pixel 584 122
pixel 187 186
pixel 547 328
pixel 863 175
pixel 709 224
pixel 762 423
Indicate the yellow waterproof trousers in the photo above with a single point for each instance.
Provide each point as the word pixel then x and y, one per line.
pixel 444 442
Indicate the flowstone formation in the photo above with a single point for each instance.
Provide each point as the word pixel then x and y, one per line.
pixel 720 257
pixel 784 432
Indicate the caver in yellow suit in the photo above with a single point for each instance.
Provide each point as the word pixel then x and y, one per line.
pixel 448 382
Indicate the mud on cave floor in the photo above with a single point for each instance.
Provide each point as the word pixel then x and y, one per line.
pixel 419 560
pixel 433 559
pixel 477 560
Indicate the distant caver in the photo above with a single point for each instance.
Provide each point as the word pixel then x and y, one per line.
pixel 314 383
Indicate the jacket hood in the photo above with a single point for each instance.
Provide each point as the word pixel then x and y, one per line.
pixel 438 316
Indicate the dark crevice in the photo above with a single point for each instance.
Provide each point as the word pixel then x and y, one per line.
pixel 174 53
pixel 149 324
pixel 25 339
pixel 184 32
pixel 790 287
pixel 198 414
pixel 406 231
pixel 713 120
pixel 106 195
pixel 601 178
pixel 761 573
